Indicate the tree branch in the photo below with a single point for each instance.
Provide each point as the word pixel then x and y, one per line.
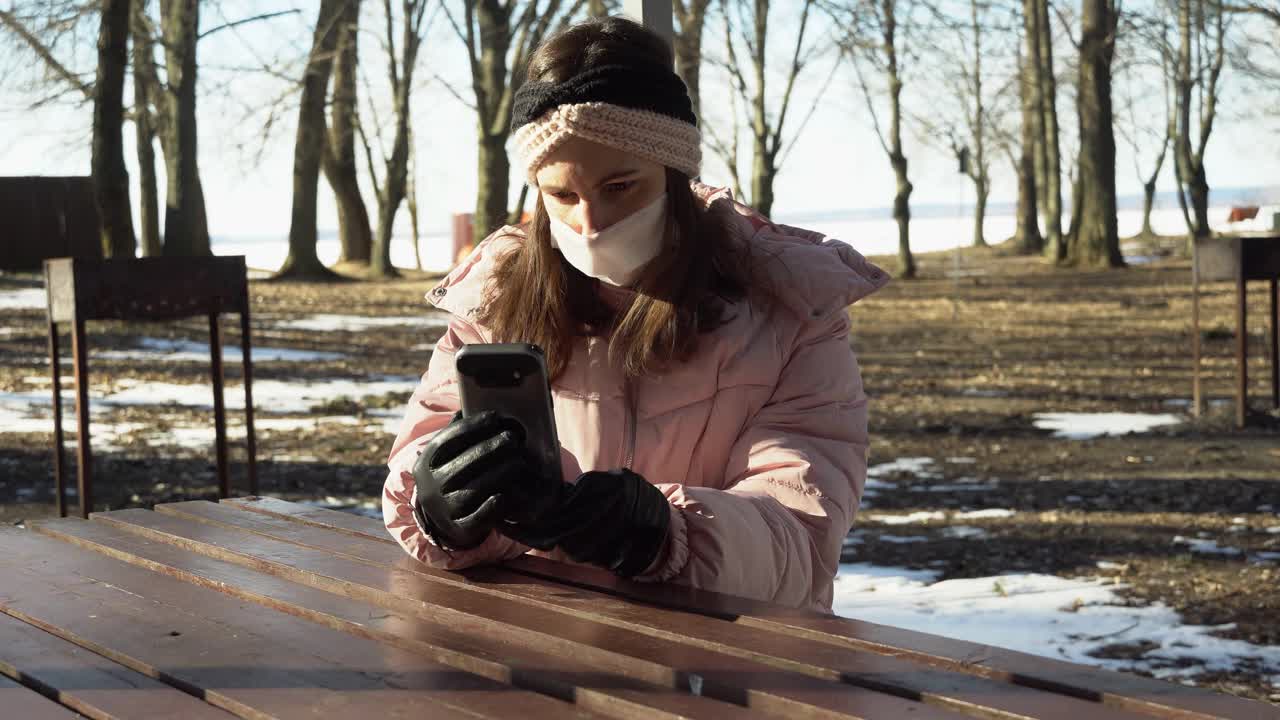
pixel 796 66
pixel 245 21
pixel 9 19
pixel 809 115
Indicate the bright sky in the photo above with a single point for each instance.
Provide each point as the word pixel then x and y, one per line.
pixel 837 163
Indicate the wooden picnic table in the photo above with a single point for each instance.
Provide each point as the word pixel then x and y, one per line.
pixel 258 608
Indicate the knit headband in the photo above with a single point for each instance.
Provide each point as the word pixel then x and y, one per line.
pixel 643 111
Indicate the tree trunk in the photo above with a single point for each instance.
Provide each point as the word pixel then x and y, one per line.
pixel 110 177
pixel 902 215
pixel 688 47
pixel 517 213
pixel 143 82
pixel 491 195
pixel 144 119
pixel 1149 185
pixel 1035 81
pixel 393 188
pixel 597 9
pixel 980 188
pixel 1096 242
pixel 308 147
pixel 1027 236
pixel 1202 81
pixel 493 124
pixel 186 231
pixel 339 159
pixel 763 173
pixel 411 201
pixel 1148 201
pixel 1198 192
pixel 1055 248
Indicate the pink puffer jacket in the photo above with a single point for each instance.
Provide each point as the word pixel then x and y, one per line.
pixel 759 442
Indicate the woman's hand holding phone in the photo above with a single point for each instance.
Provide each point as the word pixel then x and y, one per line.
pixel 473 474
pixel 462 475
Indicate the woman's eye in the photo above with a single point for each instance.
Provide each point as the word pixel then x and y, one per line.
pixel 562 196
pixel 618 187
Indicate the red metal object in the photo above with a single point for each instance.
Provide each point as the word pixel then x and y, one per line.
pixel 153 289
pixel 1245 212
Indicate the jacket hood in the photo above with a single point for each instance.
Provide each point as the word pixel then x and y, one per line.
pixel 811 273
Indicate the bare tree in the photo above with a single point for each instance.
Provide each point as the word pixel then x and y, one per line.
pixel 1202 30
pixel 690 18
pixel 879 41
pixel 1095 241
pixel 1051 205
pixel 46 31
pixel 145 85
pixel 979 82
pixel 1027 236
pixel 1150 50
pixel 977 166
pixel 411 202
pixel 767 125
pixel 499 38
pixel 110 177
pixel 338 158
pixel 186 229
pixel 302 262
pixel 725 145
pixel 400 69
pixel 1263 8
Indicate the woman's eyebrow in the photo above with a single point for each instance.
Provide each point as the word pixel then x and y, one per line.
pixel 614 177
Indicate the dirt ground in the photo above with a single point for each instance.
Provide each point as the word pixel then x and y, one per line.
pixel 956 365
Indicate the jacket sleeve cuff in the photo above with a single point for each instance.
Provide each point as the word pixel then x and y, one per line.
pixel 674 554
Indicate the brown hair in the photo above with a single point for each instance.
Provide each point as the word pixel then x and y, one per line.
pixel 538 297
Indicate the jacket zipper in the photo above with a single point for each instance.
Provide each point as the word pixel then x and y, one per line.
pixel 629 394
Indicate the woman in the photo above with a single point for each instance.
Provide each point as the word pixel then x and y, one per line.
pixel 709 406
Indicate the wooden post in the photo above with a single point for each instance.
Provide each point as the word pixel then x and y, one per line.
pixel 1242 351
pixel 250 446
pixel 219 408
pixel 1275 346
pixel 1197 401
pixel 59 461
pixel 653 14
pixel 84 458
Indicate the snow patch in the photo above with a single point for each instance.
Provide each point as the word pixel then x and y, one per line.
pixel 277 395
pixel 1083 426
pixel 360 323
pixel 915 517
pixel 187 351
pixel 24 299
pixel 1043 615
pixel 964 532
pixel 1207 547
pixel 985 514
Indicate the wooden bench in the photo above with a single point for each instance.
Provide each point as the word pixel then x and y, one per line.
pixel 262 608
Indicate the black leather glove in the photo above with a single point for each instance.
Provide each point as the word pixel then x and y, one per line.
pixel 463 475
pixel 615 519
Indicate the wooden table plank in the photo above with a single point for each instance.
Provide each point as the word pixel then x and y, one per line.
pixel 251 660
pixel 612 649
pixel 20 701
pixel 558 675
pixel 1131 692
pixel 346 522
pixel 959 691
pixel 89 683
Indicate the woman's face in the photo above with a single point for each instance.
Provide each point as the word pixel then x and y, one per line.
pixel 589 186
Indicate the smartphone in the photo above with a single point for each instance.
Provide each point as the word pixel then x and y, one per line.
pixel 511 378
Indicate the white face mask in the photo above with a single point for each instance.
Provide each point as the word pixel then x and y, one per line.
pixel 618 253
